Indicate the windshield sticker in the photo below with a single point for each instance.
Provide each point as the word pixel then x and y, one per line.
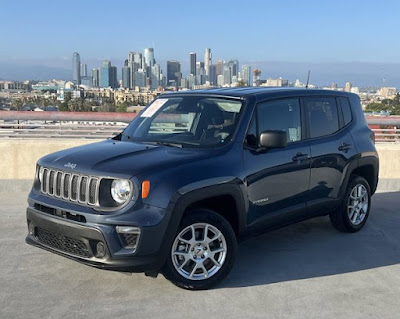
pixel 154 107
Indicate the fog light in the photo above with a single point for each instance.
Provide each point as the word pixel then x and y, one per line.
pixel 100 250
pixel 129 236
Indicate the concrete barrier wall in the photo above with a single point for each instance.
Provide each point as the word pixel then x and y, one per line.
pixel 19 157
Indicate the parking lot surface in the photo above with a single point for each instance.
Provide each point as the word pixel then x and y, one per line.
pixel 307 270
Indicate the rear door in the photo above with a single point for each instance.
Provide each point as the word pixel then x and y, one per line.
pixel 277 179
pixel 331 148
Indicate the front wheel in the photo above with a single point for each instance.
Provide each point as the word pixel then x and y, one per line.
pixel 354 210
pixel 203 251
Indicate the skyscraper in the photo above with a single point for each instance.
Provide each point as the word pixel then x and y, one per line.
pixel 108 75
pixel 155 76
pixel 227 75
pixel 95 77
pixel 126 76
pixel 174 74
pixel 246 75
pixel 220 67
pixel 134 63
pixel 149 57
pixel 76 71
pixel 83 69
pixel 192 63
pixel 207 62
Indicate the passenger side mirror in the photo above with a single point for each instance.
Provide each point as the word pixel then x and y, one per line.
pixel 273 139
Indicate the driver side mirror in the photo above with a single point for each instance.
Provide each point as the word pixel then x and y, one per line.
pixel 273 139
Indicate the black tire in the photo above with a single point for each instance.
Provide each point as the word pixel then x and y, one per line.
pixel 203 216
pixel 340 218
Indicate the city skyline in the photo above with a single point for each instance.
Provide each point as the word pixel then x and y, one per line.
pixel 322 74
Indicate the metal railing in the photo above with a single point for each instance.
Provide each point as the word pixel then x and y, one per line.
pixel 387 135
pixel 102 125
pixel 62 125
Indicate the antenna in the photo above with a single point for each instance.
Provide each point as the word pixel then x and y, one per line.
pixel 308 79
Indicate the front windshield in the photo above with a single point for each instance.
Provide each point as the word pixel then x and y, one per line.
pixel 189 121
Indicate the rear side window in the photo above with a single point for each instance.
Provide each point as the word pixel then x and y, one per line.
pixel 322 116
pixel 281 115
pixel 345 104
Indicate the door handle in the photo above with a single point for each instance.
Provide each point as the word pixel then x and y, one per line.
pixel 300 157
pixel 345 147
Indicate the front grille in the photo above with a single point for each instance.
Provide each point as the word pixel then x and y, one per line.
pixel 69 186
pixel 62 243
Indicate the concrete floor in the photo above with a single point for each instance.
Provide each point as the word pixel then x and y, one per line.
pixel 307 270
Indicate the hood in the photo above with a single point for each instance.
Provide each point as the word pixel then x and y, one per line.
pixel 119 159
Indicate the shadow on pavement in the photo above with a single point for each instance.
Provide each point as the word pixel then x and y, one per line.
pixel 314 248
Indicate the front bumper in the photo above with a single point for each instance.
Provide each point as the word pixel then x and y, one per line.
pixel 79 240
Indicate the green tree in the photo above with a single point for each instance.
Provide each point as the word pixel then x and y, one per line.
pixel 17 103
pixel 67 97
pixel 387 105
pixel 122 107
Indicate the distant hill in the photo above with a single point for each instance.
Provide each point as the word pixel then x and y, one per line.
pixel 16 72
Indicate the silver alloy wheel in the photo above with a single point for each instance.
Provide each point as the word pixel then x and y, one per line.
pixel 357 204
pixel 199 251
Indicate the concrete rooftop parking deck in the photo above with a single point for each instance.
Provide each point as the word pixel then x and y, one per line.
pixel 307 270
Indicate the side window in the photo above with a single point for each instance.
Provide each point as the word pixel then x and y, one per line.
pixel 346 110
pixel 282 115
pixel 322 116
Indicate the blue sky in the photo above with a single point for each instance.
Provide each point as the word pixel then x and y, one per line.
pixel 310 33
pixel 297 31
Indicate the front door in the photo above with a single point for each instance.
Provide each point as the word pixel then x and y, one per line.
pixel 277 179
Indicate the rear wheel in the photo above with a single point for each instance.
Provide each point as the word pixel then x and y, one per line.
pixel 203 251
pixel 354 210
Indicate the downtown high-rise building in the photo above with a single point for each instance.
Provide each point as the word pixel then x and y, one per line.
pixel 219 67
pixel 95 78
pixel 126 77
pixel 227 75
pixel 135 62
pixel 108 75
pixel 83 70
pixel 200 73
pixel 174 74
pixel 192 69
pixel 76 68
pixel 155 76
pixel 207 62
pixel 148 55
pixel 246 75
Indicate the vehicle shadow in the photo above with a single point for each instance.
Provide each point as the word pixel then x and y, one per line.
pixel 314 248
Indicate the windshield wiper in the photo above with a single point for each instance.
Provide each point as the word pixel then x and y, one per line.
pixel 164 143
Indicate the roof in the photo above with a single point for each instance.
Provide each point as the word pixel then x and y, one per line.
pixel 258 92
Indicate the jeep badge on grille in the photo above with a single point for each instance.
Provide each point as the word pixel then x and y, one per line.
pixel 70 165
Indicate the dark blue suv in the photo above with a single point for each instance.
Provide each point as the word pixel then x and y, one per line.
pixel 197 171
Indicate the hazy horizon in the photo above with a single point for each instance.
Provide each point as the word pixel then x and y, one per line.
pixel 361 74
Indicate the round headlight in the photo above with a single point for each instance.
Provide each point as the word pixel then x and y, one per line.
pixel 121 190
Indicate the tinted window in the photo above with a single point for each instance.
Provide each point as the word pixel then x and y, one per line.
pixel 345 104
pixel 282 115
pixel 322 116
